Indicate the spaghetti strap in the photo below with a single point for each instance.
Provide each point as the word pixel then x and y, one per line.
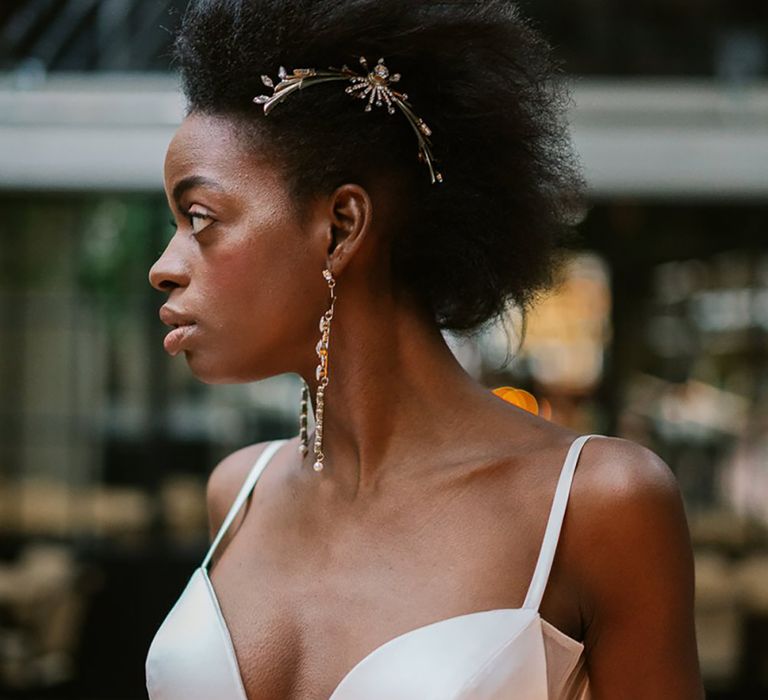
pixel 245 491
pixel 554 524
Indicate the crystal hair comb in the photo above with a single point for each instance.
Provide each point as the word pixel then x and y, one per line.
pixel 374 86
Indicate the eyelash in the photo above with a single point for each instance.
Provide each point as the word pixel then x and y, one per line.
pixel 190 216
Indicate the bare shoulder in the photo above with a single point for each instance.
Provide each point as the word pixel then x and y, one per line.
pixel 225 481
pixel 614 472
pixel 630 546
pixel 627 501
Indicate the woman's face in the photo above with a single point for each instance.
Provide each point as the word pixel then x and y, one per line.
pixel 237 270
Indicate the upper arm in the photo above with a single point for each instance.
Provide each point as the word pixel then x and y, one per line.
pixel 637 576
pixel 224 483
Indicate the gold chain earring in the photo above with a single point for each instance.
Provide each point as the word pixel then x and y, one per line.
pixel 321 372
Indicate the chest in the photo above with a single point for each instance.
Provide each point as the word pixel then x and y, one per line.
pixel 346 651
pixel 305 620
pixel 483 656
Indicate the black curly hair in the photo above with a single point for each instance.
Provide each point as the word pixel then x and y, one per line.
pixel 476 71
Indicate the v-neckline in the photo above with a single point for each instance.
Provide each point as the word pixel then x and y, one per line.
pixel 370 656
pixel 532 600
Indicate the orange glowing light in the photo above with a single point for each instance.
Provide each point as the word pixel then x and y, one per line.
pixel 518 397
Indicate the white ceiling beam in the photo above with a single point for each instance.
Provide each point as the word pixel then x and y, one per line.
pixel 641 138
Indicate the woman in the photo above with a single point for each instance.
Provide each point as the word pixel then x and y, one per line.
pixel 400 552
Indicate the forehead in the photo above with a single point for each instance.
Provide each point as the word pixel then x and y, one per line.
pixel 215 146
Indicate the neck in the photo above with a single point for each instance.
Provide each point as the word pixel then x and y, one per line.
pixel 393 384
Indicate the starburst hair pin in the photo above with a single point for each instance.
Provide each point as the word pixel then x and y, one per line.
pixel 374 87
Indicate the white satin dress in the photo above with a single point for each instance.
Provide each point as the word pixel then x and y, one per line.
pixel 503 654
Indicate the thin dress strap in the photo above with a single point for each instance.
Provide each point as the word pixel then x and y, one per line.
pixel 554 524
pixel 245 491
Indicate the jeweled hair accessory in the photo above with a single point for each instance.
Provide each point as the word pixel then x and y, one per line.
pixel 374 86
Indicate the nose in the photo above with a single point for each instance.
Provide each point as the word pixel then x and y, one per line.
pixel 170 269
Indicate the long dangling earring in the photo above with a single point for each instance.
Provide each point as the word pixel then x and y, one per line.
pixel 303 439
pixel 321 374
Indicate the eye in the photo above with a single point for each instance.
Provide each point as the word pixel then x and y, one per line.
pixel 198 219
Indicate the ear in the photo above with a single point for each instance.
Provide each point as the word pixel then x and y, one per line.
pixel 350 211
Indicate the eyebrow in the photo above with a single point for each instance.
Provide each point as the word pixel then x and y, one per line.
pixel 191 181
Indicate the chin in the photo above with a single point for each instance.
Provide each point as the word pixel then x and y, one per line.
pixel 207 371
pixel 211 371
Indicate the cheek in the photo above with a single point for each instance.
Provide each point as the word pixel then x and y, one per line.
pixel 241 262
pixel 240 286
pixel 243 322
pixel 258 288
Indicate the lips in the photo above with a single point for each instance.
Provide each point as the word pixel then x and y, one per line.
pixel 183 326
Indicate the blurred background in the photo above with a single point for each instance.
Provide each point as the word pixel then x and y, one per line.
pixel 658 333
